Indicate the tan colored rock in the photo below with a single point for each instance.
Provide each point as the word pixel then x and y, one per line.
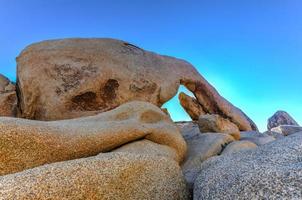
pixel 191 106
pixel 26 144
pixel 62 79
pixel 148 147
pixel 8 97
pixel 237 146
pixel 116 176
pixel 217 124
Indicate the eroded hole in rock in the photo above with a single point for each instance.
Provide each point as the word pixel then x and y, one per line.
pixel 108 91
pixel 174 107
pixel 86 101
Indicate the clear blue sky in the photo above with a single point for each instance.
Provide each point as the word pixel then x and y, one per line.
pixel 251 51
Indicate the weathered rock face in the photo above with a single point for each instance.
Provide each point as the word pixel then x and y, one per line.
pixel 200 147
pixel 191 106
pixel 287 129
pixel 63 79
pixel 106 176
pixel 217 124
pixel 274 134
pixel 280 118
pixel 237 146
pixel 256 137
pixel 272 171
pixel 8 97
pixel 26 144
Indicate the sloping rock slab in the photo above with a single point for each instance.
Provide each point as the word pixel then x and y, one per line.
pixel 117 176
pixel 256 137
pixel 273 171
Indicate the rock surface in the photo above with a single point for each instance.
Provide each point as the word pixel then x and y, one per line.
pixel 237 146
pixel 215 123
pixel 274 134
pixel 62 79
pixel 8 97
pixel 191 106
pixel 280 118
pixel 26 144
pixel 273 171
pixel 106 176
pixel 201 146
pixel 287 129
pixel 256 137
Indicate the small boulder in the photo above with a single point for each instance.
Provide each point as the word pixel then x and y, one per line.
pixel 287 129
pixel 238 146
pixel 116 176
pixel 272 171
pixel 8 97
pixel 217 124
pixel 280 118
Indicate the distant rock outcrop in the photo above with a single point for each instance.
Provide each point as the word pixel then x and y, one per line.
pixel 8 97
pixel 62 79
pixel 280 118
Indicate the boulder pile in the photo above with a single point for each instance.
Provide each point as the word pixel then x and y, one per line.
pixel 85 121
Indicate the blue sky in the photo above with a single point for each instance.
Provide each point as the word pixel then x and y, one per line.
pixel 251 51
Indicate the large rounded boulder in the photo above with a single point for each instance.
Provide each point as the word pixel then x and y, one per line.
pixel 69 78
pixel 272 171
pixel 106 176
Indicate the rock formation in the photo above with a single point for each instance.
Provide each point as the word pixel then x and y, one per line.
pixel 256 137
pixel 280 118
pixel 8 97
pixel 106 176
pixel 287 129
pixel 272 171
pixel 237 146
pixel 191 106
pixel 62 79
pixel 215 123
pixel 26 143
pixel 200 148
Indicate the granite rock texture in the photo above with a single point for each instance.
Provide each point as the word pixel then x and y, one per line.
pixel 8 97
pixel 287 129
pixel 26 143
pixel 280 118
pixel 256 137
pixel 272 171
pixel 201 146
pixel 118 175
pixel 238 146
pixel 69 78
pixel 215 123
pixel 191 106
